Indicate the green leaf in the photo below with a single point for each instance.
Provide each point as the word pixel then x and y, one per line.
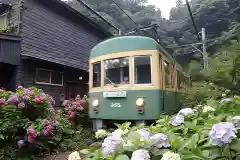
pixel 57 137
pixel 122 157
pixel 84 151
pixel 235 145
pixel 69 131
pixel 1 137
pixel 133 136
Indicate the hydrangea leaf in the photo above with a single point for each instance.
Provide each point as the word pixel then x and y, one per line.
pixel 122 157
pixel 57 137
pixel 84 151
pixel 235 145
pixel 134 136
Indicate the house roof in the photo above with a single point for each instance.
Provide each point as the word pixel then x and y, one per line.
pixel 61 6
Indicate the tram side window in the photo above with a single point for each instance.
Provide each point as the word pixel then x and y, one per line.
pixel 181 81
pixel 142 70
pixel 116 71
pixel 97 74
pixel 167 74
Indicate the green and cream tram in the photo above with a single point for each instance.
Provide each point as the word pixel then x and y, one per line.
pixel 133 78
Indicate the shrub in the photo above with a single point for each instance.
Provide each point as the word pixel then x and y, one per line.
pixel 206 132
pixel 29 125
pixel 77 110
pixel 200 92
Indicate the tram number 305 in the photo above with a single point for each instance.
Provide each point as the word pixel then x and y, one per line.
pixel 115 105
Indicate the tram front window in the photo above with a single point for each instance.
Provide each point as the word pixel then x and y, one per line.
pixel 116 71
pixel 142 70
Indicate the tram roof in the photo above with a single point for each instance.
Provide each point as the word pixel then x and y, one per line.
pixel 129 43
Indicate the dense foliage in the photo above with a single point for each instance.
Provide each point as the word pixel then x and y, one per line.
pixel 29 125
pixel 223 73
pixel 209 131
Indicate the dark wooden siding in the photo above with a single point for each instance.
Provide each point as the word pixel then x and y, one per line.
pixel 10 49
pixel 53 37
pixel 27 73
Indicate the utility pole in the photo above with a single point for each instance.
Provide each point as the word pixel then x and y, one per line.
pixel 203 52
pixel 205 55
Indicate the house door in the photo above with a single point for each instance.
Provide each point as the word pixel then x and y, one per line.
pixel 73 89
pixel 7 79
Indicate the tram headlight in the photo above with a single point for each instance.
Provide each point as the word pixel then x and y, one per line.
pixel 140 102
pixel 95 103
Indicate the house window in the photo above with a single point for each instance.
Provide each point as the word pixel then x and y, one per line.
pixel 142 70
pixel 48 77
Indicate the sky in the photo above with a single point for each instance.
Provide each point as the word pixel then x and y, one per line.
pixel 164 5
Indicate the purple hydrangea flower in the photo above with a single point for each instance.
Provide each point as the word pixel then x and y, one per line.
pixel 1 90
pixel 20 143
pixel 47 130
pixel 145 134
pixel 110 144
pixel 222 133
pixel 160 140
pixel 21 105
pixel 56 124
pixel 177 120
pixel 13 99
pixel 46 123
pixel 141 154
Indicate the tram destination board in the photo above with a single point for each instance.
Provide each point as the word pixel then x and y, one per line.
pixel 120 94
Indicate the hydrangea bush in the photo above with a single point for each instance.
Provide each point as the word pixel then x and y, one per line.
pixel 30 125
pixel 209 131
pixel 75 109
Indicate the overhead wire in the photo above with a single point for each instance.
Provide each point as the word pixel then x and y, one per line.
pixel 98 15
pixel 131 19
pixel 193 21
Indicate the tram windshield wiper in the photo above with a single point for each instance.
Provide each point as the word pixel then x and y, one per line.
pixel 114 84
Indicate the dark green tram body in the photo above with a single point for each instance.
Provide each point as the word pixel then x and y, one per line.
pixel 157 101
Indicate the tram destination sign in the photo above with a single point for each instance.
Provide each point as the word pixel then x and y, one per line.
pixel 119 94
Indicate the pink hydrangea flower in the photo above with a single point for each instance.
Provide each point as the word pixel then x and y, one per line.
pixel 20 87
pixel 32 134
pixel 52 101
pixel 28 92
pixel 2 101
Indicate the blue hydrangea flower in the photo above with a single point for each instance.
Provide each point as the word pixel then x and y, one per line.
pixel 177 120
pixel 20 143
pixel 145 134
pixel 110 144
pixel 222 133
pixel 160 140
